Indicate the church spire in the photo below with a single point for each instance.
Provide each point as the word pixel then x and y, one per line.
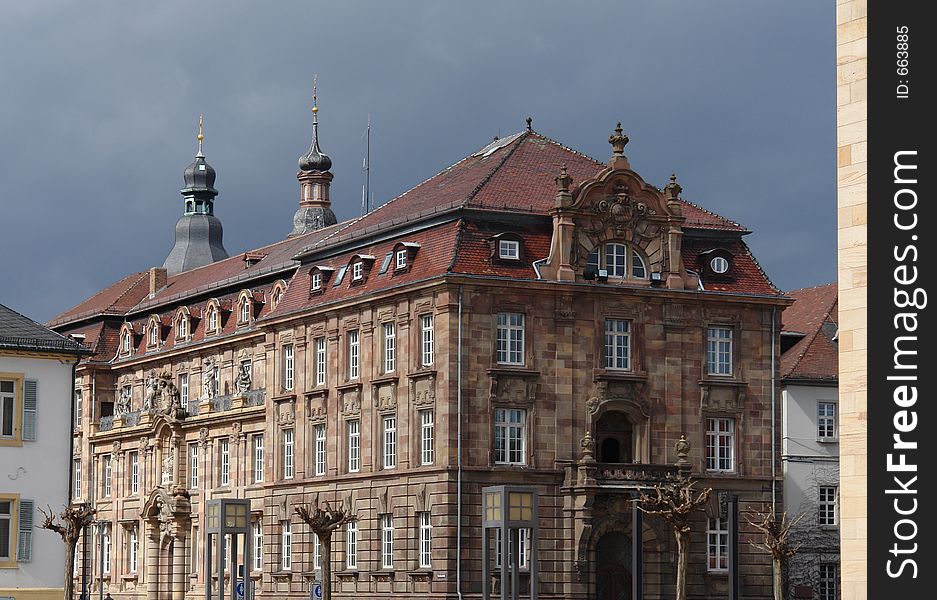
pixel 198 232
pixel 315 206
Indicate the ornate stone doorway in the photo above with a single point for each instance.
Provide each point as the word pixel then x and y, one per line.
pixel 613 567
pixel 613 432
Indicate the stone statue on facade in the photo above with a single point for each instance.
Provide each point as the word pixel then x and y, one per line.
pixel 122 406
pixel 151 395
pixel 169 395
pixel 208 380
pixel 243 381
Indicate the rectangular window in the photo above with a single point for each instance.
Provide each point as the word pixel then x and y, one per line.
pixel 6 530
pixel 224 475
pixel 108 472
pixel 7 408
pixel 719 351
pixel 387 542
pixel 354 446
pixel 826 504
pixel 426 541
pixel 829 581
pixel 353 355
pixel 509 249
pixel 258 548
pixel 182 328
pixel 390 348
pixel 510 434
pixel 717 545
pixel 720 444
pixel 106 547
pixel 510 339
pixel 316 553
pixel 78 407
pixel 426 340
pixel 258 458
pixel 316 281
pixel 286 549
pixel 427 437
pixel 184 390
pixel 134 458
pixel 390 442
pixel 288 367
pixel 401 259
pixel 617 344
pixel 320 449
pixel 193 466
pixel 287 454
pixel 357 271
pixel 523 535
pixel 351 546
pixel 826 421
pixel 320 360
pixel 132 551
pixel 76 470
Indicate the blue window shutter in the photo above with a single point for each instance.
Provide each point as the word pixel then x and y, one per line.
pixel 30 400
pixel 25 551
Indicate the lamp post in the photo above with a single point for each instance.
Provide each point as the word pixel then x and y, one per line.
pixel 227 518
pixel 102 524
pixel 508 509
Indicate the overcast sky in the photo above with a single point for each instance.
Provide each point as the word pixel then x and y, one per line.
pixel 99 104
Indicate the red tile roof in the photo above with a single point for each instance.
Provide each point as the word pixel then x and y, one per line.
pixel 746 275
pixel 813 315
pixel 115 299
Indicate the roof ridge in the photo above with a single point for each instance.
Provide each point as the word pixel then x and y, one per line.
pixel 760 269
pixel 568 149
pixel 712 214
pixel 814 287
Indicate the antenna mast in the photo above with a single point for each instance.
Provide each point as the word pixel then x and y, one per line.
pixel 366 167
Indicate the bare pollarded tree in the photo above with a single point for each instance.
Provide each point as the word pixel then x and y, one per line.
pixel 675 501
pixel 69 526
pixel 776 542
pixel 323 520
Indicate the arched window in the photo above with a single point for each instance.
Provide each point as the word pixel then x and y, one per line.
pixel 212 319
pixel 618 259
pixel 245 313
pixel 613 433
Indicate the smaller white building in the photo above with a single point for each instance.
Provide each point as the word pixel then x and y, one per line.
pixel 810 439
pixel 36 412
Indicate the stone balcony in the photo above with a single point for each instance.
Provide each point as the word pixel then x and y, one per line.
pixel 217 404
pixel 633 475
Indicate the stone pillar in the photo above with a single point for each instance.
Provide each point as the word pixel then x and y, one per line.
pixel 179 562
pixel 152 562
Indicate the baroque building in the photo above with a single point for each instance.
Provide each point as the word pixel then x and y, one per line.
pixel 528 315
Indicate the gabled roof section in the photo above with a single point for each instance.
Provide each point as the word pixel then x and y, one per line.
pixel 814 316
pixel 115 299
pixel 746 275
pixel 18 332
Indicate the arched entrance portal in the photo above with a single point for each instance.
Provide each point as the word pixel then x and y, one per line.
pixel 613 567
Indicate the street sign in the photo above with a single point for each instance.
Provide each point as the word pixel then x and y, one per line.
pixel 317 590
pixel 239 588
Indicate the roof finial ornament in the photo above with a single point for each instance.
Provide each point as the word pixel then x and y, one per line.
pixel 618 141
pixel 563 180
pixel 315 101
pixel 200 137
pixel 673 189
pixel 315 159
pixel 530 121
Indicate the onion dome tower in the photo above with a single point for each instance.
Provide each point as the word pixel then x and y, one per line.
pixel 315 207
pixel 198 232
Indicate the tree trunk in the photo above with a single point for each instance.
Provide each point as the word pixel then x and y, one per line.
pixel 683 555
pixel 69 570
pixel 778 579
pixel 326 542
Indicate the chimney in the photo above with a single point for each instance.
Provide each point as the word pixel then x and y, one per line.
pixel 158 279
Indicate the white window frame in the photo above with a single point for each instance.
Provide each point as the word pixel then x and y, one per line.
pixel 134 460
pixel 510 436
pixel 316 281
pixel 354 445
pixel 354 354
pixel 320 449
pixel 107 484
pixel 76 471
pixel 125 343
pixel 78 406
pixel 717 545
pixel 245 311
pixel 357 271
pixel 351 545
pixel 106 547
pixel 257 551
pixel 182 328
pixel 618 344
pixel 719 265
pixel 389 440
pixel 193 465
pixel 320 360
pixel 184 390
pixel 224 451
pixel 719 347
pixel 286 545
pixel 8 399
pixel 426 540
pixel 387 541
pixel 316 553
pixel 826 421
pixel 427 436
pixel 523 548
pixel 390 347
pixel 289 440
pixel 400 258
pixel 154 334
pixel 258 445
pixel 10 527
pixel 212 319
pixel 720 444
pixel 132 549
pixel 288 367
pixel 427 344
pixel 509 249
pixel 510 336
pixel 826 506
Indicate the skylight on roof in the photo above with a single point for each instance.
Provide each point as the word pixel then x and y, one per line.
pixel 497 145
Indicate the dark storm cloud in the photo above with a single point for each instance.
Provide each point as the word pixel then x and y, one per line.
pixel 99 102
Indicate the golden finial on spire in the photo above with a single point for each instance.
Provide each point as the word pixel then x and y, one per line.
pixel 200 137
pixel 315 108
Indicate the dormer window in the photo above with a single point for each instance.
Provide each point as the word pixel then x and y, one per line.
pixel 509 249
pixel 316 281
pixel 244 315
pixel 716 263
pixel 125 342
pixel 182 327
pixel 277 296
pixel 154 334
pixel 615 259
pixel 719 265
pixel 357 271
pixel 401 256
pixel 401 260
pixel 212 319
